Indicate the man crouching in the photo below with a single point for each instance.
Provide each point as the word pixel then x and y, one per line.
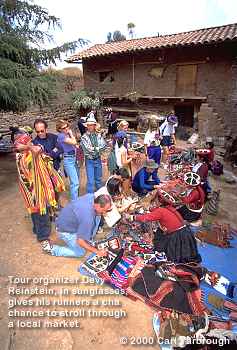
pixel 77 224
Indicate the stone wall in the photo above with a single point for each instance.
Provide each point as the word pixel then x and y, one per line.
pixel 27 118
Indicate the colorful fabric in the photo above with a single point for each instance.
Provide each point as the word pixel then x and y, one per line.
pixel 181 294
pixel 38 180
pixel 121 272
pixel 50 147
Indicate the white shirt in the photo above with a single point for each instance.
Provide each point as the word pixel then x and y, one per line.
pixel 118 154
pixel 150 136
pixel 167 129
pixel 196 167
pixel 113 216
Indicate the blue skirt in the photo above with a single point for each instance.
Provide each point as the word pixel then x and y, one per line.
pixel 166 141
pixel 154 152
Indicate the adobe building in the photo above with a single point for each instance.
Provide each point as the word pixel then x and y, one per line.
pixel 193 73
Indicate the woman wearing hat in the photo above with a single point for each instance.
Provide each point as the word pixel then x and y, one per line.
pixel 67 143
pixel 152 141
pixel 194 199
pixel 167 133
pixel 172 236
pixel 146 179
pixel 93 145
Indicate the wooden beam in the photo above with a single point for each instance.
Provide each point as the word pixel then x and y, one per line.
pixel 159 97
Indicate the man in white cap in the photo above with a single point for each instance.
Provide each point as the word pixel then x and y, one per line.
pixel 93 145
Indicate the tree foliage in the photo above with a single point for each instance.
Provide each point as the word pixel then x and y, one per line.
pixel 115 36
pixel 24 29
pixel 131 29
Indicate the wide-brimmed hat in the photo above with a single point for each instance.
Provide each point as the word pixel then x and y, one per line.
pixel 90 120
pixel 192 179
pixel 150 163
pixel 172 119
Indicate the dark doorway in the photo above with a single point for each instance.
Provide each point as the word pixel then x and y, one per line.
pixel 185 114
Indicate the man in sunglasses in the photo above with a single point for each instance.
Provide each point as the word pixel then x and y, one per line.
pixel 47 141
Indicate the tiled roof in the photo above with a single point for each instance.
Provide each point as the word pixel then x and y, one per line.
pixel 191 38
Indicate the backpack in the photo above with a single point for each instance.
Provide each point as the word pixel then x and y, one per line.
pixel 112 163
pixel 217 168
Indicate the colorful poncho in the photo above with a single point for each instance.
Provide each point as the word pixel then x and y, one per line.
pixel 38 181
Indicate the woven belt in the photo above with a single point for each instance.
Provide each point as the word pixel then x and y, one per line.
pixel 177 229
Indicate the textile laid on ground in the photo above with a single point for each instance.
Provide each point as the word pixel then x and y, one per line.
pixel 222 261
pixel 169 286
pixel 216 234
pixel 95 264
pixel 38 181
pixel 172 289
pixel 162 285
pixel 179 330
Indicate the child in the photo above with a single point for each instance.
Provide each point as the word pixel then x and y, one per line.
pixel 152 141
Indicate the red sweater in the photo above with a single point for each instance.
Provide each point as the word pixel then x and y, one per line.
pixel 211 155
pixel 168 218
pixel 203 172
pixel 195 199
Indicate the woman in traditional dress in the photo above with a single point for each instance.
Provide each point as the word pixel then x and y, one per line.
pixel 172 236
pixel 194 199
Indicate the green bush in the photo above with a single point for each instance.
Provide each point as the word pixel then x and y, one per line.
pixel 86 99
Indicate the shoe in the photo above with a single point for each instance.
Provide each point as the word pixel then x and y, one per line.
pixel 46 246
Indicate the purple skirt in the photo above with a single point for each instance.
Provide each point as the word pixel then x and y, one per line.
pixel 154 152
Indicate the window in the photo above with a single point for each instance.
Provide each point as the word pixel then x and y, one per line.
pixel 106 77
pixel 186 80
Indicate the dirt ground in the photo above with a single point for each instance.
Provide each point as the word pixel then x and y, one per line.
pixel 21 255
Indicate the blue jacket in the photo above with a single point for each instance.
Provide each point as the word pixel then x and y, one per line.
pixel 51 148
pixel 140 181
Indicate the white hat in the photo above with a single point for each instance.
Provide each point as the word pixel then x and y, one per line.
pixel 90 119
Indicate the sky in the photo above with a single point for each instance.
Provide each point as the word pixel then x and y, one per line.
pixel 93 19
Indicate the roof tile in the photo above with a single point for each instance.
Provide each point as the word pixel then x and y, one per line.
pixel 200 36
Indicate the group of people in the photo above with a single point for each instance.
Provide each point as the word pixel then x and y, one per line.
pixel 39 163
